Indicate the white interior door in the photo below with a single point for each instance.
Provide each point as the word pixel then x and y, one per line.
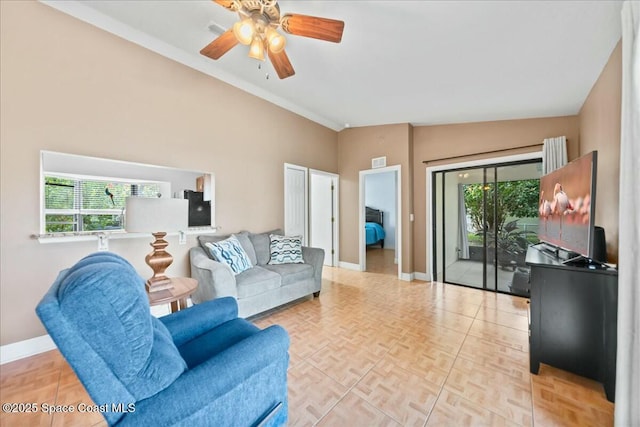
pixel 323 211
pixel 296 201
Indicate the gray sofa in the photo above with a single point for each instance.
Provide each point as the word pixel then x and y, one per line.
pixel 261 287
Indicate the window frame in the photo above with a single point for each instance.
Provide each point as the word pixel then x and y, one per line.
pixel 78 212
pixel 173 183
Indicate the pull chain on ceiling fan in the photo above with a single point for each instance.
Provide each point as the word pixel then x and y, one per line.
pixel 258 28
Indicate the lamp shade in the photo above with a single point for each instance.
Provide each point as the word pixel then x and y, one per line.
pixel 244 31
pixel 151 215
pixel 277 42
pixel 256 50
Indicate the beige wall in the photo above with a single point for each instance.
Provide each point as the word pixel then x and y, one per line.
pixel 67 86
pixel 356 148
pixel 600 130
pixel 436 142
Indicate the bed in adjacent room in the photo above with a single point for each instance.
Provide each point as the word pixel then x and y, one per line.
pixel 374 230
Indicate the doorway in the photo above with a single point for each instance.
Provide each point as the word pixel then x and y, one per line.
pixel 381 220
pixel 484 219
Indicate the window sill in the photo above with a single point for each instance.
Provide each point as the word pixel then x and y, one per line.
pixel 116 234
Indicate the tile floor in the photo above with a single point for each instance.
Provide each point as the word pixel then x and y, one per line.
pixel 376 351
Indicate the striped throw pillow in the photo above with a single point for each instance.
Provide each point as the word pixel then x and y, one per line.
pixel 230 252
pixel 285 249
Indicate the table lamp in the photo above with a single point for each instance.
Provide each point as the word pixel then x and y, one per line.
pixel 157 216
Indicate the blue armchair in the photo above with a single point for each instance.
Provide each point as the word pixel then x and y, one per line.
pixel 199 366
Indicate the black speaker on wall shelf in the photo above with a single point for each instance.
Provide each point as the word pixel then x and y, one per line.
pixel 599 245
pixel 199 209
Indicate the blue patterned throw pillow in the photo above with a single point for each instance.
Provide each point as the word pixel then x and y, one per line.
pixel 286 250
pixel 230 252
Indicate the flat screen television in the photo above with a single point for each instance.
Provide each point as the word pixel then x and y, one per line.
pixel 567 206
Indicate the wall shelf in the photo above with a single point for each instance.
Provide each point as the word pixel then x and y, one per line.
pixel 116 234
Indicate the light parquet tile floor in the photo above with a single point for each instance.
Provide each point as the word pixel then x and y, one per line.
pixel 376 351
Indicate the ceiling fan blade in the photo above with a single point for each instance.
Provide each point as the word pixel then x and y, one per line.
pixel 281 63
pixel 314 27
pixel 220 46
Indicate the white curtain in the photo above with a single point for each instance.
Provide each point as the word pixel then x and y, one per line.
pixel 463 237
pixel 627 409
pixel 554 154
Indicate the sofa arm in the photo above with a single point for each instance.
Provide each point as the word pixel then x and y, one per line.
pixel 315 257
pixel 215 279
pixel 204 391
pixel 184 325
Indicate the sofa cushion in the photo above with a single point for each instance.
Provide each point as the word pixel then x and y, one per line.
pixel 256 280
pixel 285 249
pixel 230 252
pixel 204 239
pixel 243 238
pixel 262 245
pixel 292 273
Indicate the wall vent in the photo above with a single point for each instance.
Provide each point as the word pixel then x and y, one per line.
pixel 379 162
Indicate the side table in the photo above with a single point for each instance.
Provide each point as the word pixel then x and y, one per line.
pixel 176 296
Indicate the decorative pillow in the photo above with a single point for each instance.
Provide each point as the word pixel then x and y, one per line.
pixel 243 238
pixel 203 239
pixel 230 252
pixel 286 250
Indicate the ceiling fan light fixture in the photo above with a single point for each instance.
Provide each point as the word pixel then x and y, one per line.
pixel 258 25
pixel 244 31
pixel 276 41
pixel 256 51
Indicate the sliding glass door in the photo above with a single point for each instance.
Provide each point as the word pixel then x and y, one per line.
pixel 484 219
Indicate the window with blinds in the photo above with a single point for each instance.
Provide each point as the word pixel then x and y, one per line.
pixel 77 204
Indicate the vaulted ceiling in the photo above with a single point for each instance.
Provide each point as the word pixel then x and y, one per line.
pixel 419 62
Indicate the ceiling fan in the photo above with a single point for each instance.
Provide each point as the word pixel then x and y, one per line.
pixel 258 28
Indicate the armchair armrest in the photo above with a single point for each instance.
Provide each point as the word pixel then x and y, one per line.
pixel 189 323
pixel 315 257
pixel 202 390
pixel 215 279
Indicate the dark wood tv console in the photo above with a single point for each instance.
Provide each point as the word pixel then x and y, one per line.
pixel 574 312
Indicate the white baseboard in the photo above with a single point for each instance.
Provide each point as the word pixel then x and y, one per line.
pixel 407 277
pixel 349 266
pixel 161 310
pixel 421 276
pixel 26 348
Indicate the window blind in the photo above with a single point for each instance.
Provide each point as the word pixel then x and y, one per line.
pixel 75 204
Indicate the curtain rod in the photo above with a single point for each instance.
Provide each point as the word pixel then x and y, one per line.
pixel 484 152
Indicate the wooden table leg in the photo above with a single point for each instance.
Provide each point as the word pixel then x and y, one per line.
pixel 178 305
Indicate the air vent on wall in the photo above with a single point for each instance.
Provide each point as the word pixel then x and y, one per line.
pixel 379 162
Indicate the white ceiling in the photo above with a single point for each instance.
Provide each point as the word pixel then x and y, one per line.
pixel 419 62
